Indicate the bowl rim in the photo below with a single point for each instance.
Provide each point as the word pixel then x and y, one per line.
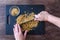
pixel 14 7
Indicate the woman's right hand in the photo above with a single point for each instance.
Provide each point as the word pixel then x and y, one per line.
pixel 42 16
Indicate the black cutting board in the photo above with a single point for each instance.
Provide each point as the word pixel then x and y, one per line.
pixel 11 20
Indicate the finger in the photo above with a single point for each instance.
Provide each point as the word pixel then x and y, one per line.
pixel 16 28
pixel 25 33
pixel 15 25
pixel 15 33
pixel 37 19
pixel 36 16
pixel 19 29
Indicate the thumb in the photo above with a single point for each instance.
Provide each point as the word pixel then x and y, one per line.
pixel 36 16
pixel 25 33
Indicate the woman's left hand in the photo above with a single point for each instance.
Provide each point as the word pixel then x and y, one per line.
pixel 18 33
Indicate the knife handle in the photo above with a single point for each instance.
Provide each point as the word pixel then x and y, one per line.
pixel 8 19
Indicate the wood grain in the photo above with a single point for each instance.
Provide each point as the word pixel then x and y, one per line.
pixel 52 6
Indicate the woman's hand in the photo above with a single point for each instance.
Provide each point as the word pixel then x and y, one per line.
pixel 42 16
pixel 18 33
pixel 45 16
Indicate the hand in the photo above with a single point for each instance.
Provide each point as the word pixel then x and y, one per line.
pixel 18 33
pixel 42 16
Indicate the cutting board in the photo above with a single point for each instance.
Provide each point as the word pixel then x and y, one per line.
pixel 11 20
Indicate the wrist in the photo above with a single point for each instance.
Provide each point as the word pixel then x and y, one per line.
pixel 49 18
pixel 46 18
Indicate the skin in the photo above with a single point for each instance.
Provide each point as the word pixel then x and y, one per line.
pixel 42 16
pixel 18 33
pixel 45 16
